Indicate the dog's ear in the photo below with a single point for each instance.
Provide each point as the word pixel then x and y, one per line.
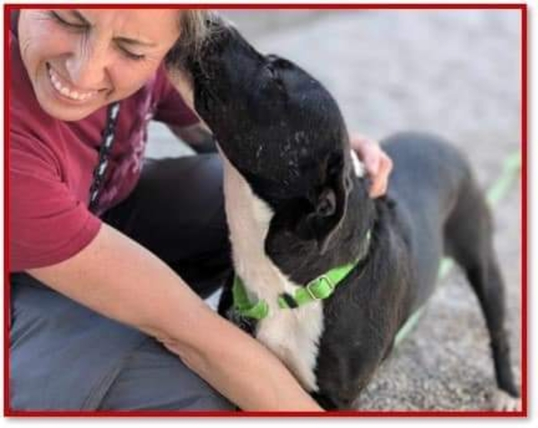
pixel 329 203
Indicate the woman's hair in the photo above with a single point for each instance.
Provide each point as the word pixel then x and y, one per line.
pixel 194 25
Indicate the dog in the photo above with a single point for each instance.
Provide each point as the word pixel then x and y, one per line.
pixel 325 276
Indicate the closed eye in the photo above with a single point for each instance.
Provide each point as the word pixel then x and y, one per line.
pixel 76 25
pixel 131 55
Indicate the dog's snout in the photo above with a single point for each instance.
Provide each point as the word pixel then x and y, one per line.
pixel 218 29
pixel 219 33
pixel 218 23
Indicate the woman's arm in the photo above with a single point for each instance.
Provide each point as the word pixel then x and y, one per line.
pixel 120 279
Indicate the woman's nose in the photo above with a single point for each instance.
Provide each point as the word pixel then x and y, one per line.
pixel 88 67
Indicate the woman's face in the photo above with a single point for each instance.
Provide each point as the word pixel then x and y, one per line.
pixel 79 60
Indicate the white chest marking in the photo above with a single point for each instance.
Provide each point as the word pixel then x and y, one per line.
pixel 293 335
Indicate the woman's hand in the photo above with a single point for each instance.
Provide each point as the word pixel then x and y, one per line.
pixel 377 163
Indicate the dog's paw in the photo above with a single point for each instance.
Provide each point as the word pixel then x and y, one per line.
pixel 504 402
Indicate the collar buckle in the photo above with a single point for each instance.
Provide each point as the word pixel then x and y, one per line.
pixel 318 283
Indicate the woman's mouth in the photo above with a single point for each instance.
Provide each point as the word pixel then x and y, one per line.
pixel 66 90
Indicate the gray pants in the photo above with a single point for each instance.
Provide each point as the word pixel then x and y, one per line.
pixel 64 356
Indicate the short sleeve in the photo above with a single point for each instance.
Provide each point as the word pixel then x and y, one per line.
pixel 47 224
pixel 170 106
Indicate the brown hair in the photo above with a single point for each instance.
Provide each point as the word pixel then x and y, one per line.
pixel 195 28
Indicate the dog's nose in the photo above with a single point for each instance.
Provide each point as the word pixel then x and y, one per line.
pixel 220 30
pixel 216 22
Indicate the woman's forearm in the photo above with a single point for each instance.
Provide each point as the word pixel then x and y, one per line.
pixel 239 367
pixel 119 279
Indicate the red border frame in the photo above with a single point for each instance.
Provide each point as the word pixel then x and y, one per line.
pixel 524 189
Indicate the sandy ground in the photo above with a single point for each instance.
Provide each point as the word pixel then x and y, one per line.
pixel 456 73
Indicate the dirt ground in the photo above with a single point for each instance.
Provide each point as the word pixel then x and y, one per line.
pixel 456 73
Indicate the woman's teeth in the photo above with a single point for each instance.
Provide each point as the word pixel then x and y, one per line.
pixel 65 91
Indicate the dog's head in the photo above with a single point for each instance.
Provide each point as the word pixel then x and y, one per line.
pixel 278 126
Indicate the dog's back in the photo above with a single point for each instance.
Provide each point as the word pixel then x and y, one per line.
pixel 427 181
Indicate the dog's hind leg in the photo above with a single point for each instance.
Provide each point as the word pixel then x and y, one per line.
pixel 468 239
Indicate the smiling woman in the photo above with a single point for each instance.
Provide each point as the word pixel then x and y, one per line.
pixel 111 254
pixel 95 57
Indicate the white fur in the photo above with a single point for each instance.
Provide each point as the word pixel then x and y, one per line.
pixel 357 164
pixel 292 334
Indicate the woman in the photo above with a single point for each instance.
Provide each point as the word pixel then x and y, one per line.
pixel 109 260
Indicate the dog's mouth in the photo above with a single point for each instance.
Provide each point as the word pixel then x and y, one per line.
pixel 200 62
pixel 225 72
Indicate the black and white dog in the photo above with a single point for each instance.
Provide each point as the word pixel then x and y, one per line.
pixel 325 275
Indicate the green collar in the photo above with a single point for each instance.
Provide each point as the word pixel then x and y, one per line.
pixel 318 289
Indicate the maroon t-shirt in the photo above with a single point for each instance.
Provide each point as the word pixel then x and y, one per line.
pixel 51 163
